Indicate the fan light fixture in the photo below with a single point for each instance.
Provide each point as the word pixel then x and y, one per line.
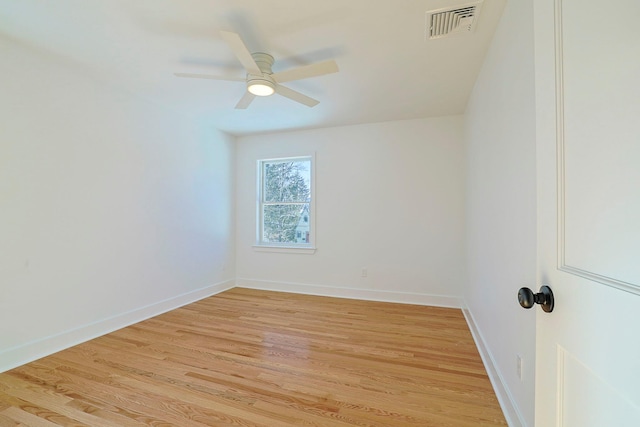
pixel 261 87
pixel 260 80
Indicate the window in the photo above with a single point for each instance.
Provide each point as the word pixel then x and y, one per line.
pixel 285 209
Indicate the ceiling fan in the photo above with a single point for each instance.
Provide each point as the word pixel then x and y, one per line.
pixel 261 80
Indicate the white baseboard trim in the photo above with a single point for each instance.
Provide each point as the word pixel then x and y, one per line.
pixel 28 352
pixel 352 293
pixel 505 398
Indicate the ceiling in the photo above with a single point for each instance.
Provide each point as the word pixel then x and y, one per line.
pixel 388 71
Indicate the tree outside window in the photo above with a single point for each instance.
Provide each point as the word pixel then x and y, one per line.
pixel 285 198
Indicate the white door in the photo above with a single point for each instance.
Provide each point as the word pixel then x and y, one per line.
pixel 588 141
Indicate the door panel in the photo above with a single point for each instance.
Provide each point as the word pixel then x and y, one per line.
pixel 598 69
pixel 586 399
pixel 588 152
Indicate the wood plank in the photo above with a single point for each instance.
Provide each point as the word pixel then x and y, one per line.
pixel 24 418
pixel 264 359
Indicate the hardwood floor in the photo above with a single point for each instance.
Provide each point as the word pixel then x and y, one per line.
pixel 269 359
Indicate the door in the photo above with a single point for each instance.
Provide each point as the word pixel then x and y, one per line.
pixel 588 142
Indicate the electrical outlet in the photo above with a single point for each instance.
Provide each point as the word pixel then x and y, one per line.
pixel 364 272
pixel 519 366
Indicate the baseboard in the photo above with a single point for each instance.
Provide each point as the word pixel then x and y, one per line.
pixel 507 402
pixel 25 353
pixel 352 293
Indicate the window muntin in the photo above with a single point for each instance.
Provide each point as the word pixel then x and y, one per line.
pixel 285 202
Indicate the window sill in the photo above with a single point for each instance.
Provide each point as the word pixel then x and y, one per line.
pixel 285 249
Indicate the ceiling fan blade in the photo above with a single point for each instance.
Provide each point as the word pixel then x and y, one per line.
pixel 207 76
pixel 306 71
pixel 242 53
pixel 296 96
pixel 246 99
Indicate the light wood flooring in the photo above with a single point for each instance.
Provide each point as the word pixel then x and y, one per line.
pixel 269 359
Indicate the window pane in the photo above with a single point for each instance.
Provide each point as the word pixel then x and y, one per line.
pixel 283 223
pixel 287 181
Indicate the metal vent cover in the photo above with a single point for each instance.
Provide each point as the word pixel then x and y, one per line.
pixel 450 21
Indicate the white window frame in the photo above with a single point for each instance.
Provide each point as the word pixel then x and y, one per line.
pixel 290 247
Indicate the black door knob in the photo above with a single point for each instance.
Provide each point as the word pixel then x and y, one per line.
pixel 527 298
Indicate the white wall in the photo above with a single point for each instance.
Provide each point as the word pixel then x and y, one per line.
pixel 501 209
pixel 389 199
pixel 112 209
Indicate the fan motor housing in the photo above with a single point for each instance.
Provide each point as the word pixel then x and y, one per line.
pixel 264 61
pixel 263 85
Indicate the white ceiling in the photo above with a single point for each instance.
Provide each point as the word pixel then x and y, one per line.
pixel 387 69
